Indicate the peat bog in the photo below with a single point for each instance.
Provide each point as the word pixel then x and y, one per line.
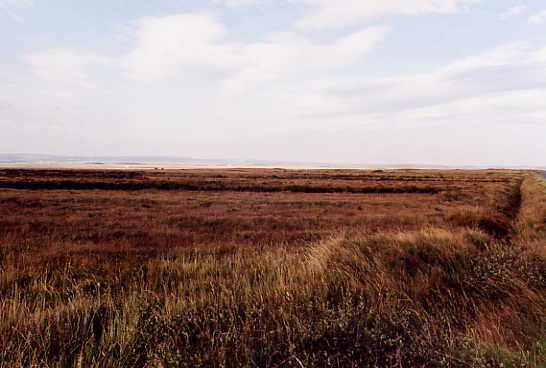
pixel 272 268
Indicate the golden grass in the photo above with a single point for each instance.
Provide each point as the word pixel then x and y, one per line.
pixel 462 283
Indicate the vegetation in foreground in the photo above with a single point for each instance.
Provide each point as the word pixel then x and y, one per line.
pixel 465 287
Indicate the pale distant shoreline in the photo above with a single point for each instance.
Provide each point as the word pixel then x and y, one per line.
pixel 178 166
pixel 241 165
pixel 162 166
pixel 46 161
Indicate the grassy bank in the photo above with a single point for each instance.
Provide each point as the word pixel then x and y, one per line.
pixel 459 295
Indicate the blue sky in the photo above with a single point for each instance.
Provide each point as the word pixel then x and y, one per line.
pixel 456 82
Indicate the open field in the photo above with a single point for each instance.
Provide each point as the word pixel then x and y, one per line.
pixel 272 268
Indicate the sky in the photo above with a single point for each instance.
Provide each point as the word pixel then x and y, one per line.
pixel 440 82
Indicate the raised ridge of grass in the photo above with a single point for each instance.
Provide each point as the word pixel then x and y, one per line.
pixel 208 186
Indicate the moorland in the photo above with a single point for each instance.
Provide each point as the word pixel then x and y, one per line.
pixel 272 268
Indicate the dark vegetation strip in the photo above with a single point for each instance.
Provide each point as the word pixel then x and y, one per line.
pixel 209 187
pixel 114 174
pixel 373 178
pixel 121 174
pixel 359 177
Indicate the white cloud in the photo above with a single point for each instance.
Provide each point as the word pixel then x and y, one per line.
pixel 490 104
pixel 12 8
pixel 513 12
pixel 538 18
pixel 166 45
pixel 236 3
pixel 17 3
pixel 506 71
pixel 287 55
pixel 342 13
pixel 283 95
pixel 13 4
pixel 169 51
pixel 63 66
pixel 189 43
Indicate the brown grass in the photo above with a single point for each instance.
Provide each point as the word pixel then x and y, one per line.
pixel 170 277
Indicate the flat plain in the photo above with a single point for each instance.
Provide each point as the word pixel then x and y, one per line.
pixel 272 268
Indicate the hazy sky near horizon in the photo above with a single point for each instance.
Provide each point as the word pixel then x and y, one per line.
pixel 455 82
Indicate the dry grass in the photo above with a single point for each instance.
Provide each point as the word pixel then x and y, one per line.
pixel 177 278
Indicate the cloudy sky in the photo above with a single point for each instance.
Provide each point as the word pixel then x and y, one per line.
pixel 456 82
